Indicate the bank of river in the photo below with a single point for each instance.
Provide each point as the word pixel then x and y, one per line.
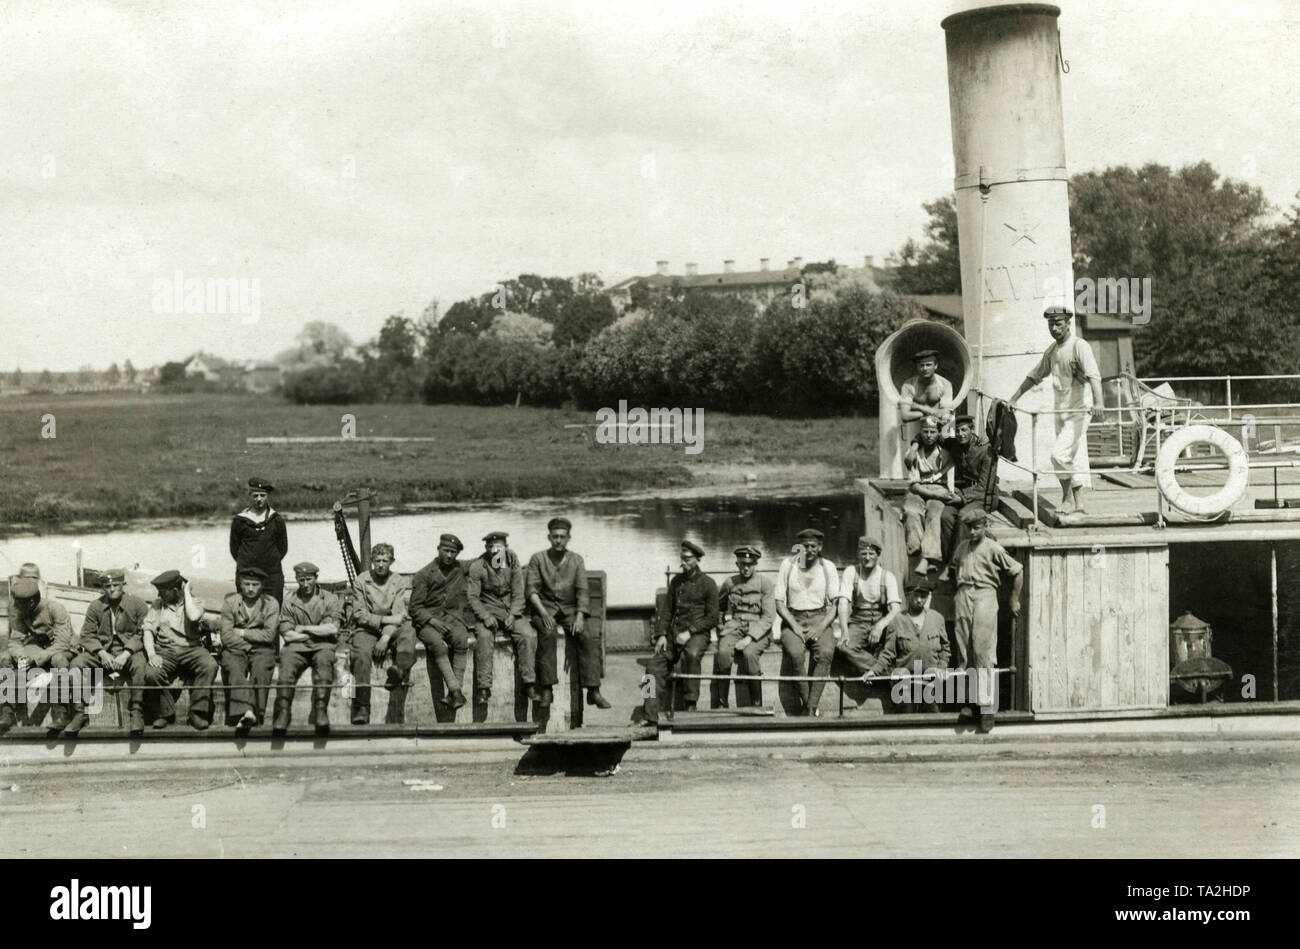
pixel 632 539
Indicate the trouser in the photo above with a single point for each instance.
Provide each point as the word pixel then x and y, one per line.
pixel 953 528
pixel 39 657
pixel 401 650
pixel 522 637
pixel 446 651
pixel 1070 450
pixel 975 611
pixel 132 674
pixel 856 647
pixel 273 584
pixel 810 657
pixel 923 526
pixel 194 665
pixel 684 658
pixel 248 678
pixel 295 658
pixel 586 644
pixel 746 662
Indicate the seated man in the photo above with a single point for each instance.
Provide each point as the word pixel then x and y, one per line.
pixel 974 466
pixel 495 589
pixel 930 473
pixel 40 637
pixel 250 630
pixel 556 589
pixel 868 603
pixel 111 641
pixel 309 627
pixel 174 643
pixel 747 604
pixel 807 587
pixel 690 615
pixel 915 642
pixel 440 608
pixel 381 628
pixel 925 395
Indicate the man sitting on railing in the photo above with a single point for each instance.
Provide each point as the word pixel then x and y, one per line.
pixel 915 641
pixel 495 588
pixel 250 630
pixel 807 588
pixel 747 603
pixel 1073 368
pixel 40 637
pixel 868 603
pixel 381 627
pixel 111 641
pixel 691 614
pixel 175 643
pixel 309 627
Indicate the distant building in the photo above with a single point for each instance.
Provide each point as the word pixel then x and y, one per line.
pixel 759 286
pixel 201 367
pixel 261 377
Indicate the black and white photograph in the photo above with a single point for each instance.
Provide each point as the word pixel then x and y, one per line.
pixel 452 430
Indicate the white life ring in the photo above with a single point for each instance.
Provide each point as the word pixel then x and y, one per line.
pixel 1210 504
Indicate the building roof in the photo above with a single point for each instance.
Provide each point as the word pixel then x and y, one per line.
pixel 776 277
pixel 946 304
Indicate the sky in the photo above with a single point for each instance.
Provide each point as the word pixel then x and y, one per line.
pixel 347 161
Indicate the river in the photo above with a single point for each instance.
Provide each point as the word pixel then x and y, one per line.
pixel 631 540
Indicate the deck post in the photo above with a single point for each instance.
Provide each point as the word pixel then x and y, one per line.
pixel 1272 564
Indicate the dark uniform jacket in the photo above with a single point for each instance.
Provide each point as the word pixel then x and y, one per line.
pixel 973 467
pixel 692 604
pixel 254 544
pixel 905 644
pixel 751 601
pixel 435 593
pixel 113 628
pixel 493 592
pixel 561 587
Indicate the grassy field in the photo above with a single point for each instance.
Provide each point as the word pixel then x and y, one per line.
pixel 121 457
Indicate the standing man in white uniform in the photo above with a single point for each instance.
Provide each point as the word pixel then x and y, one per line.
pixel 1073 368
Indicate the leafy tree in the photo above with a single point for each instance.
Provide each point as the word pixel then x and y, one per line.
pixel 86 374
pixel 340 384
pixel 398 342
pixel 935 266
pixel 467 318
pixel 641 296
pixel 172 374
pixel 582 317
pixel 113 375
pixel 522 328
pixel 17 377
pixel 319 343
pixel 47 379
pixel 128 371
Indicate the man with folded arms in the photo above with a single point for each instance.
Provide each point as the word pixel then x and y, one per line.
pixel 250 630
pixel 495 587
pixel 174 643
pixel 309 629
pixel 440 608
pixel 112 641
pixel 40 637
pixel 747 604
pixel 381 628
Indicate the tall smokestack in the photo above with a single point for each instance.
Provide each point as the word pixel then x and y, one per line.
pixel 1013 211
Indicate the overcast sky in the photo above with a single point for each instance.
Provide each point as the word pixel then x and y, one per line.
pixel 360 158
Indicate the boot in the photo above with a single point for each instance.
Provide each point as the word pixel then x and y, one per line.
pixel 74 726
pixel 481 696
pixel 544 696
pixel 360 713
pixel 396 706
pixel 530 691
pixel 245 723
pixel 455 699
pixel 985 723
pixel 394 678
pixel 322 720
pixel 595 698
pixel 283 716
pixel 7 718
pixel 197 722
pixel 136 720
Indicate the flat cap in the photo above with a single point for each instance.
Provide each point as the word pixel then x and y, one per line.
pixel 260 484
pixel 450 540
pixel 168 578
pixel 925 354
pixel 871 540
pixel 917 582
pixel 748 552
pixel 809 533
pixel 693 547
pixel 24 588
pixel 254 573
pixel 558 522
pixel 113 575
pixel 974 516
pixel 495 535
pixel 306 567
pixel 964 420
pixel 1053 311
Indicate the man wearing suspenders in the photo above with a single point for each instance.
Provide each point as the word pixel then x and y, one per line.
pixel 868 602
